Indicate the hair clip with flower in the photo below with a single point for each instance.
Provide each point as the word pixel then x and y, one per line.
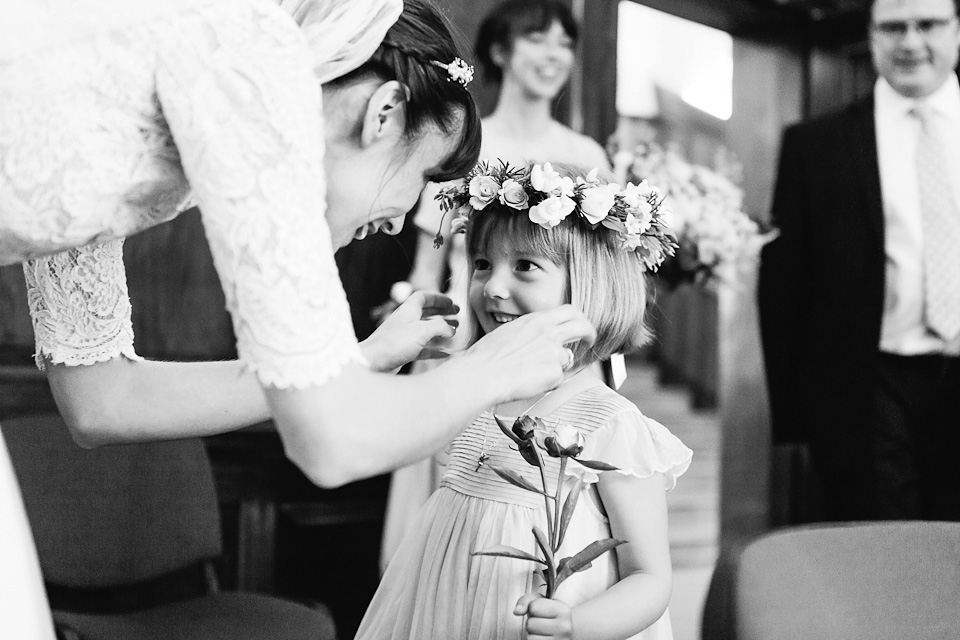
pixel 458 70
pixel 636 213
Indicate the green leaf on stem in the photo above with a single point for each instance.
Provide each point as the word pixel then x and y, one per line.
pixel 540 575
pixel 516 479
pixel 506 429
pixel 582 560
pixel 505 551
pixel 597 465
pixel 544 543
pixel 568 506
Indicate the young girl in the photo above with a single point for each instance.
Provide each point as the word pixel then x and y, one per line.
pixel 536 240
pixel 527 50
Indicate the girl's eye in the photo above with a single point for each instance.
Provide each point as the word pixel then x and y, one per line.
pixel 535 37
pixel 481 264
pixel 526 265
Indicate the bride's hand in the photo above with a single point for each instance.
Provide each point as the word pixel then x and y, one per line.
pixel 527 356
pixel 418 329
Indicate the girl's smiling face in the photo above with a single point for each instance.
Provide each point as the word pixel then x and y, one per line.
pixel 507 283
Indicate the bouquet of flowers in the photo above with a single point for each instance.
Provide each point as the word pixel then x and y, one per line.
pixel 533 439
pixel 716 238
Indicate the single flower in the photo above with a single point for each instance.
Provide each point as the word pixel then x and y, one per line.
pixel 597 201
pixel 513 194
pixel 637 224
pixel 564 441
pixel 551 211
pixel 483 189
pixel 545 179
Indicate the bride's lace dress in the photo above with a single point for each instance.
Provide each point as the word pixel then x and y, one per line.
pixel 87 156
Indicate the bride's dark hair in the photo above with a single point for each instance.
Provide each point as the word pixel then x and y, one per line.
pixel 419 36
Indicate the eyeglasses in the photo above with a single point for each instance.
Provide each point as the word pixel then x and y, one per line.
pixel 926 27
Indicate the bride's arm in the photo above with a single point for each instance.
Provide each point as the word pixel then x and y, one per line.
pixel 357 424
pixel 361 424
pixel 123 400
pixel 126 399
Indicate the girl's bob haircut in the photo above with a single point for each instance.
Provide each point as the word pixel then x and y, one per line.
pixel 607 283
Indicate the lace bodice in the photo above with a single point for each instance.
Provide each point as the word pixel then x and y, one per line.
pixel 106 135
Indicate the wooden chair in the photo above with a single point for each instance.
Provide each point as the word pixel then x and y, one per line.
pixel 876 581
pixel 127 537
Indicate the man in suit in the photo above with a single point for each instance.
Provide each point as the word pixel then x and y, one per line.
pixel 860 294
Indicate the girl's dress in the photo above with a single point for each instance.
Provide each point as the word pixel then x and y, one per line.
pixel 434 589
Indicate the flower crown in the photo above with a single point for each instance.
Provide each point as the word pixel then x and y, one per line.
pixel 635 213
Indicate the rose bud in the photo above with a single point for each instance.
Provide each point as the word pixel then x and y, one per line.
pixel 565 441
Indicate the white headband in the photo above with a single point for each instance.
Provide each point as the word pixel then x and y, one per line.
pixel 342 34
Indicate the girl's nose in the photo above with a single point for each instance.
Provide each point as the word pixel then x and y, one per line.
pixel 496 288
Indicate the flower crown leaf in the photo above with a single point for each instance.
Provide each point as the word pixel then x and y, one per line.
pixel 636 213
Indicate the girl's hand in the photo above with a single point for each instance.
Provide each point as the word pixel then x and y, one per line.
pixel 525 357
pixel 417 330
pixel 546 618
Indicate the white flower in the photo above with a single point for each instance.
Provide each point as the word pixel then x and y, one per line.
pixel 597 201
pixel 483 189
pixel 544 178
pixel 637 225
pixel 564 441
pixel 551 211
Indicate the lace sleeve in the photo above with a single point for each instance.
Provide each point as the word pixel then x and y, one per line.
pixel 79 305
pixel 245 113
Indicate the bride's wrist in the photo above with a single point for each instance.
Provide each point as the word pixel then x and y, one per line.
pixel 475 372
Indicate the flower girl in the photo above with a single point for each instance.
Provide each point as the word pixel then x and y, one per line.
pixel 537 238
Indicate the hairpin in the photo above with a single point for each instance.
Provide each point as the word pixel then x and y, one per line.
pixel 458 70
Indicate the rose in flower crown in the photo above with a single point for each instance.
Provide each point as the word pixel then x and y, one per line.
pixel 636 213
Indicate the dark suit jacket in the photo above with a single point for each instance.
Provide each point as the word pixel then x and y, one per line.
pixel 821 287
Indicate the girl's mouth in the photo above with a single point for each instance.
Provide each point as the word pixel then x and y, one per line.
pixel 502 318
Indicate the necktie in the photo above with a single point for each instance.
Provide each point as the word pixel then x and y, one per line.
pixel 941 231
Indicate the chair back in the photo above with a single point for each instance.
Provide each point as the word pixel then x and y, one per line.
pixel 116 515
pixel 880 581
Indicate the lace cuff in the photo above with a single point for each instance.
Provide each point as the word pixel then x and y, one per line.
pixel 637 446
pixel 79 305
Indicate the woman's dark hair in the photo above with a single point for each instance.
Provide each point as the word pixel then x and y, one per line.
pixel 419 36
pixel 512 19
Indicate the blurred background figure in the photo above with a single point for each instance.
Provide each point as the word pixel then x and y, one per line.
pixel 860 295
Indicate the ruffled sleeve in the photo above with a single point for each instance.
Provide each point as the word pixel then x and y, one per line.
pixel 246 116
pixel 80 306
pixel 637 446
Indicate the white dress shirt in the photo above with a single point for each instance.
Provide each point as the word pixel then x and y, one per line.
pixel 903 331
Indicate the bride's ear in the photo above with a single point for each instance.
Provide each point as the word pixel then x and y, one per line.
pixel 386 113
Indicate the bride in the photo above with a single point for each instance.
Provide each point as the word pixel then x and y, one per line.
pixel 113 113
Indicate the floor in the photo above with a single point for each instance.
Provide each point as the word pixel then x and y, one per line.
pixel 693 503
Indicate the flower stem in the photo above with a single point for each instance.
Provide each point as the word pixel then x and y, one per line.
pixel 556 505
pixel 546 497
